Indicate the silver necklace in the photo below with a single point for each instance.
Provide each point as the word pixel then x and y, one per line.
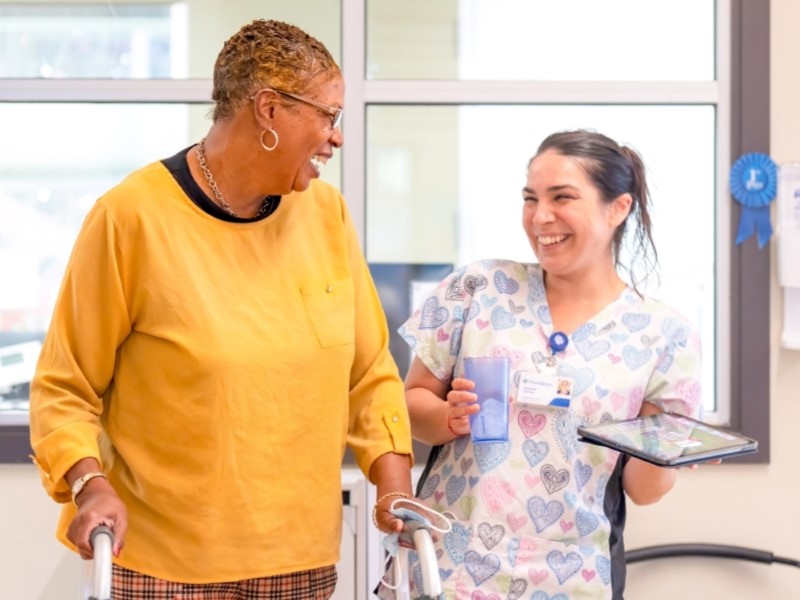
pixel 201 158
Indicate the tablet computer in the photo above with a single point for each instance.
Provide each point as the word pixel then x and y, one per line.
pixel 668 439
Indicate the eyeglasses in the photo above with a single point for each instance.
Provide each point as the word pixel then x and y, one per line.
pixel 333 112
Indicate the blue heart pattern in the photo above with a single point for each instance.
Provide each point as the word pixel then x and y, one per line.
pixel 513 548
pixel 536 291
pixel 455 487
pixel 665 357
pixel 535 451
pixel 456 542
pixel 502 319
pixel 635 321
pixel 543 513
pixel 433 315
pixel 429 487
pixel 408 338
pixel 480 567
pixel 540 595
pixel 472 311
pixel 584 332
pixel 489 456
pixel 455 341
pixel 441 458
pixel 564 565
pixel 635 358
pixel 460 445
pixel 604 569
pixel 564 425
pixel 586 521
pixel 591 350
pixel 583 473
pixel 543 312
pixel 675 331
pixel 416 573
pixel 505 284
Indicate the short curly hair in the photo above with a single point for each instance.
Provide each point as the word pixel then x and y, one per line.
pixel 267 54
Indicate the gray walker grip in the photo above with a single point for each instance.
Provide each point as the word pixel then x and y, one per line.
pixel 97 572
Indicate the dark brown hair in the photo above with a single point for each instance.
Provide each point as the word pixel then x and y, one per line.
pixel 614 170
pixel 267 54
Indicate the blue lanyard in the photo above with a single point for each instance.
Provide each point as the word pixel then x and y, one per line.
pixel 558 342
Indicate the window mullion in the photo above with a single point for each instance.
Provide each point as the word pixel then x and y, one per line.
pixel 106 90
pixel 540 92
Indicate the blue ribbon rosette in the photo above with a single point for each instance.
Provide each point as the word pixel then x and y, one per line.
pixel 754 183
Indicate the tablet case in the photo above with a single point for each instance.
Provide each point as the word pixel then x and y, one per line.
pixel 668 439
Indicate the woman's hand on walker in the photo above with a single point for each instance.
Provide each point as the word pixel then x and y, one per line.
pixel 98 506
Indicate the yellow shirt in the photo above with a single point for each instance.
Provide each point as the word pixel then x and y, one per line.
pixel 226 365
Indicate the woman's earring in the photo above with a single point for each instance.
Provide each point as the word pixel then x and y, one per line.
pixel 275 145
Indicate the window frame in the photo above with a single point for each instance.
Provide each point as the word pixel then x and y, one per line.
pixel 750 267
pixel 716 93
pixel 740 93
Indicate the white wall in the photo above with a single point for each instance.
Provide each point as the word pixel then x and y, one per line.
pixel 33 565
pixel 747 505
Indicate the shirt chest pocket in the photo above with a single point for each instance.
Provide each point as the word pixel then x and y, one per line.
pixel 331 309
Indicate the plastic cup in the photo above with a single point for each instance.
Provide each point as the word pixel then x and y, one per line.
pixel 490 374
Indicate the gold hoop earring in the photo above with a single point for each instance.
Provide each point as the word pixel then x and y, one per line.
pixel 263 145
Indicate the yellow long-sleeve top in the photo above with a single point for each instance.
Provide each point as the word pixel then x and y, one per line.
pixel 227 365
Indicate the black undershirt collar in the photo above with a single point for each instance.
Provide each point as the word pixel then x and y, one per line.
pixel 178 166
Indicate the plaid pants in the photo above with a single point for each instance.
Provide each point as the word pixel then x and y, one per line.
pixel 316 584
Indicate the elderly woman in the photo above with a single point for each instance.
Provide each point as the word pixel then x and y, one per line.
pixel 216 343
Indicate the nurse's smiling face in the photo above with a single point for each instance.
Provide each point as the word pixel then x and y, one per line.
pixel 570 226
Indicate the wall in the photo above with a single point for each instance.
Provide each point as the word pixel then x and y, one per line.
pixel 746 505
pixel 33 565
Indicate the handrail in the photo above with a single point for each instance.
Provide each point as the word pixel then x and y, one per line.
pixel 713 550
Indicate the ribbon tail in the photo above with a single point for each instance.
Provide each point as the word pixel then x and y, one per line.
pixel 763 226
pixel 747 224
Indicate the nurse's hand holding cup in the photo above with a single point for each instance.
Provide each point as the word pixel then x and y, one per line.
pixel 486 411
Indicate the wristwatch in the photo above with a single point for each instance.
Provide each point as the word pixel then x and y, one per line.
pixel 80 483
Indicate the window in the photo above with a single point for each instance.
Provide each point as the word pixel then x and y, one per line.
pixel 45 193
pixel 423 208
pixel 70 41
pixel 436 96
pixel 88 93
pixel 536 40
pixel 450 173
pixel 450 90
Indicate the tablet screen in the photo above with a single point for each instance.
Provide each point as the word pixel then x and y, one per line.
pixel 668 439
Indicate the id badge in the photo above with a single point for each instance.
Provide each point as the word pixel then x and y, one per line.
pixel 540 389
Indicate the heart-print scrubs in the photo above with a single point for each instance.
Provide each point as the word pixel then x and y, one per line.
pixel 541 516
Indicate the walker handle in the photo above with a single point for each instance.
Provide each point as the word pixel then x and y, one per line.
pixel 423 543
pixel 102 540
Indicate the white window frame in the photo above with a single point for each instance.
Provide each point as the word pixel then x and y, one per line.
pixel 361 93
